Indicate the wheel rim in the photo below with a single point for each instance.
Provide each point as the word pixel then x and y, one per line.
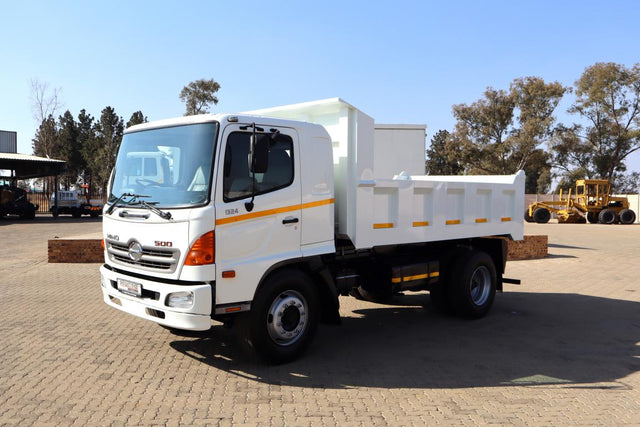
pixel 480 285
pixel 287 318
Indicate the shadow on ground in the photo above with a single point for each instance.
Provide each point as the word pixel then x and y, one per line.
pixel 555 245
pixel 528 339
pixel 47 219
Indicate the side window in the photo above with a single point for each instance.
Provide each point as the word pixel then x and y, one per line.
pixel 237 181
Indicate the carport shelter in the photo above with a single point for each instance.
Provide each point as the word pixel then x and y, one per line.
pixel 24 166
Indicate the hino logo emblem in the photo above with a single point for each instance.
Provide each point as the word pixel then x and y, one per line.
pixel 135 251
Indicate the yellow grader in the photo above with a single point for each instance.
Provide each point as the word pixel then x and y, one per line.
pixel 592 201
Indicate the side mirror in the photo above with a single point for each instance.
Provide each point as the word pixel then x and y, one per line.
pixel 259 152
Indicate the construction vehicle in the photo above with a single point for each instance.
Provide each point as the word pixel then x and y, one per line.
pixel 13 201
pixel 592 201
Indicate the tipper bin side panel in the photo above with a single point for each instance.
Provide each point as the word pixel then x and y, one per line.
pixel 420 209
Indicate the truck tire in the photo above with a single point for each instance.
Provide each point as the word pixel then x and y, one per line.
pixel 283 317
pixel 76 213
pixel 473 287
pixel 592 217
pixel 54 212
pixel 607 216
pixel 541 215
pixel 627 216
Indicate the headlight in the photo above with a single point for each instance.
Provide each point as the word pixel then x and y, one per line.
pixel 180 299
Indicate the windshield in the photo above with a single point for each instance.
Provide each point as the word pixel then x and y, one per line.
pixel 172 166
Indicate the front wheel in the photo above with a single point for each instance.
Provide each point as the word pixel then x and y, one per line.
pixel 527 217
pixel 592 217
pixel 473 285
pixel 541 215
pixel 283 317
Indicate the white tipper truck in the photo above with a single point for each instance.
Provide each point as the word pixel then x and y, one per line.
pixel 263 219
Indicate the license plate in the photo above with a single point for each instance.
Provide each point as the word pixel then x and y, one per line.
pixel 130 288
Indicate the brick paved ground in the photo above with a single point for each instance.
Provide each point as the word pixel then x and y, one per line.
pixel 563 348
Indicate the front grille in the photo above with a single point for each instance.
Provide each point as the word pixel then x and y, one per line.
pixel 152 258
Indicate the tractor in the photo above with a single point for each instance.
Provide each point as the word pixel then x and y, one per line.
pixel 13 201
pixel 592 201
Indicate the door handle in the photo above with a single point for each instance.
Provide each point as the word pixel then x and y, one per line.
pixel 290 220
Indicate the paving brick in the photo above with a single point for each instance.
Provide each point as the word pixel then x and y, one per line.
pixel 561 349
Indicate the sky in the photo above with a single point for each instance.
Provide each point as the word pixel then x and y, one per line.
pixel 399 62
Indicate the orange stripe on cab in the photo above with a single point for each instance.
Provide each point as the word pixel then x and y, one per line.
pixel 275 211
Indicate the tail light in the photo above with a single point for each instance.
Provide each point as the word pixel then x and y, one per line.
pixel 202 251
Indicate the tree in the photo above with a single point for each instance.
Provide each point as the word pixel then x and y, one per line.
pixel 44 106
pixel 45 141
pixel 441 157
pixel 499 133
pixel 44 102
pixel 199 95
pixel 538 172
pixel 103 148
pixel 136 119
pixel 69 148
pixel 608 99
pixel 87 142
pixel 628 184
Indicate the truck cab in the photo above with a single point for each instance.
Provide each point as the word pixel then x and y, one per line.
pixel 201 261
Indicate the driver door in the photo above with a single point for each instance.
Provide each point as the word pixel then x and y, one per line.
pixel 249 242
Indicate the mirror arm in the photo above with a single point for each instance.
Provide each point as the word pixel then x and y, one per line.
pixel 249 205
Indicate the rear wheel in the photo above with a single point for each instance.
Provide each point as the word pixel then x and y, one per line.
pixel 607 216
pixel 541 215
pixel 55 212
pixel 473 287
pixel 283 317
pixel 627 216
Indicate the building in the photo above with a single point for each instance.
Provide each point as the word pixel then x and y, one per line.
pixel 8 141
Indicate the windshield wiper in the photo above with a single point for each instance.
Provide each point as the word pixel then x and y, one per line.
pixel 152 208
pixel 121 199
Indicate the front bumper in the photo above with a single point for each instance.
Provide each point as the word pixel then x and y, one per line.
pixel 152 304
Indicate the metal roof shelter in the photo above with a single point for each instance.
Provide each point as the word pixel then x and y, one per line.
pixel 23 166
